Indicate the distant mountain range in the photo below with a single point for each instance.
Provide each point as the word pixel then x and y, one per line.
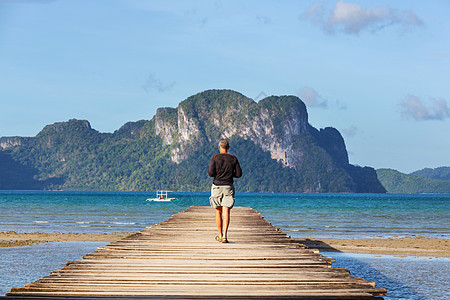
pixel 278 149
pixel 423 181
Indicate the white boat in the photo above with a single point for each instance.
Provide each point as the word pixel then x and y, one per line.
pixel 161 196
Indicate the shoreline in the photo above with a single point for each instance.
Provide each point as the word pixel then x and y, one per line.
pixel 19 239
pixel 402 246
pixel 405 246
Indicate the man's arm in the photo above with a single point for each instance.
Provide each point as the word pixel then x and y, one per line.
pixel 238 172
pixel 212 167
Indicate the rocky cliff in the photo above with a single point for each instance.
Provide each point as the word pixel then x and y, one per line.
pixel 278 149
pixel 273 124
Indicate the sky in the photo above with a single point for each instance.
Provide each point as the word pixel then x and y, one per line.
pixel 378 71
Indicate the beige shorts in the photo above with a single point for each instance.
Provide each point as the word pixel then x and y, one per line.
pixel 222 195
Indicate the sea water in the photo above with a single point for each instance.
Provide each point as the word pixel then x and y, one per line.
pixel 298 215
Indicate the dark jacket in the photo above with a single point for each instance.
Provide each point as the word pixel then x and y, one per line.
pixel 224 167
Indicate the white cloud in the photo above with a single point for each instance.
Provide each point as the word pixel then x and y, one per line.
pixel 154 83
pixel 312 98
pixel 351 18
pixel 413 107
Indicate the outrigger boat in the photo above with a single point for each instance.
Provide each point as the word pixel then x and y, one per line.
pixel 161 196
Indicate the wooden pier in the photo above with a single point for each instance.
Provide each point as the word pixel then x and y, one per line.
pixel 179 258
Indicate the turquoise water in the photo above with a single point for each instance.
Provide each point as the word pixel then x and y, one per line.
pixel 299 215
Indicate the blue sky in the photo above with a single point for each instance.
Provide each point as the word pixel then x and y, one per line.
pixel 378 71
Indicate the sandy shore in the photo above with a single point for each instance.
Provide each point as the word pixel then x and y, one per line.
pixel 17 239
pixel 411 246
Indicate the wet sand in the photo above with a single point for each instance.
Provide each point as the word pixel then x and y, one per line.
pixel 411 246
pixel 17 239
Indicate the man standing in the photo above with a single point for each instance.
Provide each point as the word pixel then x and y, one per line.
pixel 223 167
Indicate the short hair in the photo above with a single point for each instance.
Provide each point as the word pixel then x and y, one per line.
pixel 224 144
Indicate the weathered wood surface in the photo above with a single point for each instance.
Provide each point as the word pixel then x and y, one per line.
pixel 180 258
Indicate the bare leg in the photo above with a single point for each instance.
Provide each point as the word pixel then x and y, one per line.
pixel 226 220
pixel 219 220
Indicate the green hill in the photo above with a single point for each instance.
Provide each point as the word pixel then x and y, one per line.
pixel 397 182
pixel 441 173
pixel 278 150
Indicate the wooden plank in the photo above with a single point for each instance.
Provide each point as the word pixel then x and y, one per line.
pixel 179 258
